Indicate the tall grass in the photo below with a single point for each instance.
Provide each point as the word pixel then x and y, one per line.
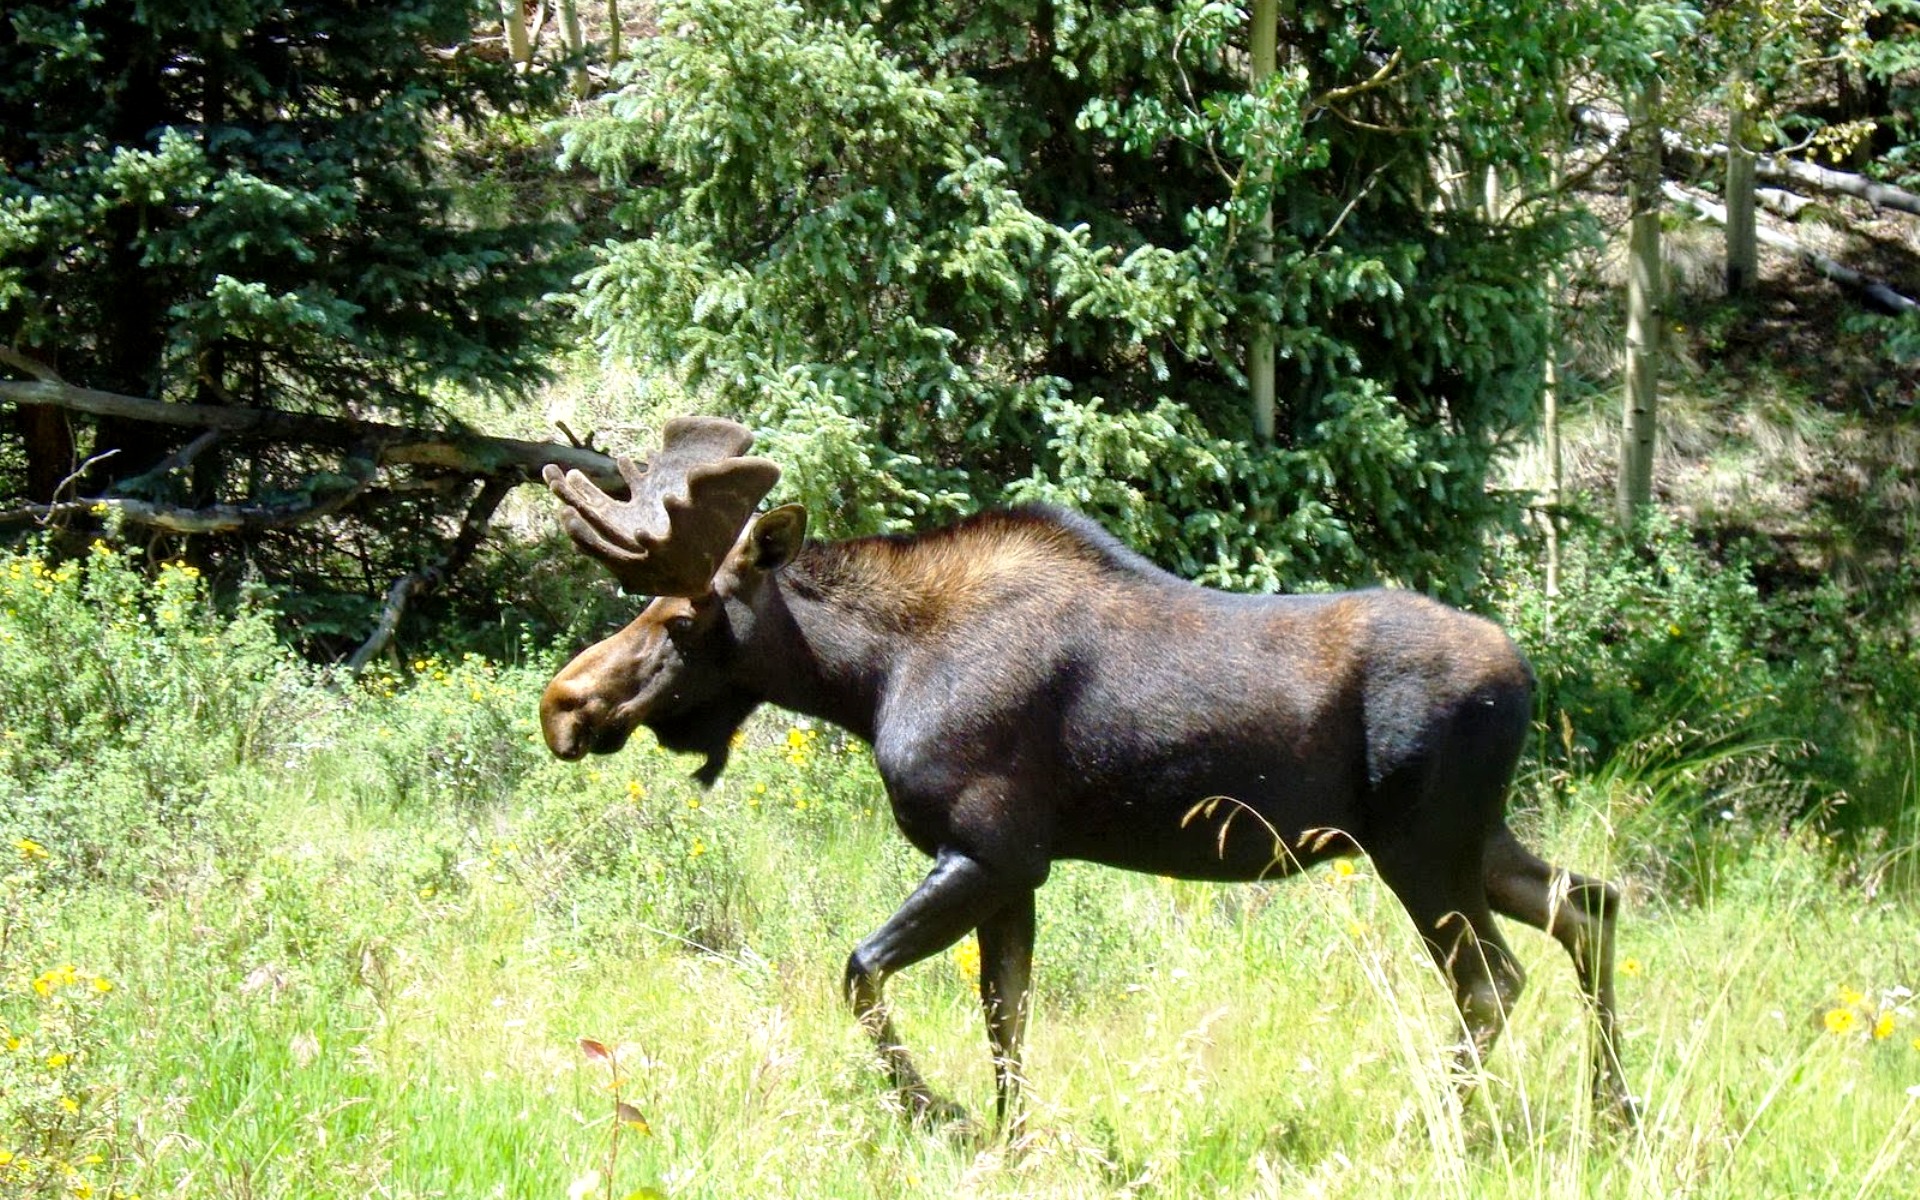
pixel 383 988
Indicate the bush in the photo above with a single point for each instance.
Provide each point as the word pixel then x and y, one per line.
pixel 127 704
pixel 453 731
pixel 1644 638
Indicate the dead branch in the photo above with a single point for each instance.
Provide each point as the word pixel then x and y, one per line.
pixel 213 518
pixel 414 584
pixel 1873 290
pixel 1783 203
pixel 391 445
pixel 1777 167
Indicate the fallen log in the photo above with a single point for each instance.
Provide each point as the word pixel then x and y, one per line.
pixel 1776 167
pixel 1875 291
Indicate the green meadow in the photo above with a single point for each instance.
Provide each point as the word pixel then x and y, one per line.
pixel 268 932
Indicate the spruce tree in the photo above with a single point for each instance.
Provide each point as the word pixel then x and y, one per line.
pixel 248 204
pixel 957 254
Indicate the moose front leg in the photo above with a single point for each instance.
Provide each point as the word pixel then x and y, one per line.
pixel 1006 967
pixel 959 894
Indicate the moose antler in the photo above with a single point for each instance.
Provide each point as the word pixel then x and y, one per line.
pixel 687 505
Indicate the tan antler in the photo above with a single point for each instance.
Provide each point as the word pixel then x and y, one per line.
pixel 687 506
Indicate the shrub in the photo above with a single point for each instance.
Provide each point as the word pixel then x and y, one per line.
pixel 454 731
pixel 126 705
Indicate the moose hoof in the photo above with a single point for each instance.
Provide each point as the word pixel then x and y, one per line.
pixel 930 1111
pixel 1618 1108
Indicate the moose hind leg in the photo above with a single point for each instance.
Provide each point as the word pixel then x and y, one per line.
pixel 959 894
pixel 1580 914
pixel 1450 910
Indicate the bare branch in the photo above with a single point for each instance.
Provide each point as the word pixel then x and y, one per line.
pixel 1873 290
pixel 391 445
pixel 473 530
pixel 1776 167
pixel 214 518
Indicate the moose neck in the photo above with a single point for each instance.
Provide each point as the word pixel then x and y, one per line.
pixel 825 641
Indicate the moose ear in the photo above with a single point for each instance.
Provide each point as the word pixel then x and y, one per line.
pixel 776 537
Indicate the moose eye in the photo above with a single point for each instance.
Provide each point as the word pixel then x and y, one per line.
pixel 679 626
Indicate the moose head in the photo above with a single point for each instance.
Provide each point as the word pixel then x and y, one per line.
pixel 687 536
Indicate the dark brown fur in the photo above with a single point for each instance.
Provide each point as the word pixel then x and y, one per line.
pixel 1033 691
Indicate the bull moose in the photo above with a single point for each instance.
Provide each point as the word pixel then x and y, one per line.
pixel 1033 690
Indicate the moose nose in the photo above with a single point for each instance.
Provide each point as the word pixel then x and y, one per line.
pixel 569 714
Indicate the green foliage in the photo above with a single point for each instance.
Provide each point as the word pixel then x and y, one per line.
pixel 1667 676
pixel 57 1103
pixel 241 199
pixel 958 256
pixel 129 709
pixel 456 732
pixel 1643 636
pixel 276 204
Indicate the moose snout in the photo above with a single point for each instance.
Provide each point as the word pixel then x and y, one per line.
pixel 572 717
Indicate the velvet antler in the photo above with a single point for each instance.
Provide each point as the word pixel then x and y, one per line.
pixel 686 506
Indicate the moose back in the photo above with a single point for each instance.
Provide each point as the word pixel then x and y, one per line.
pixel 1033 690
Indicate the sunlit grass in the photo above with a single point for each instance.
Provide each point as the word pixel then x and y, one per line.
pixel 363 960
pixel 311 1025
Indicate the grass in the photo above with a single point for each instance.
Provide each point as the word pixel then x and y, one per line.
pixel 384 946
pixel 344 1017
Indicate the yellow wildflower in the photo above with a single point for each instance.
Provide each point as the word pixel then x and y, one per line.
pixel 1850 997
pixel 966 956
pixel 699 848
pixel 1630 967
pixel 69 1104
pixel 1840 1020
pixel 57 1060
pixel 1883 1027
pixel 1342 869
pixel 30 849
pixel 102 984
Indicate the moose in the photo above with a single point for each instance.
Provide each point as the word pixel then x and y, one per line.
pixel 1033 690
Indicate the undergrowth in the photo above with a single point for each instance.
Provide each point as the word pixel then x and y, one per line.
pixel 269 932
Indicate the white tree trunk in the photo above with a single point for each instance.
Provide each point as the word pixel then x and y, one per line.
pixel 513 18
pixel 1743 248
pixel 576 45
pixel 1640 412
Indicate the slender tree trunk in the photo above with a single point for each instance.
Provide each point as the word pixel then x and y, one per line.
pixel 1553 384
pixel 1260 366
pixel 613 32
pixel 1743 248
pixel 1640 412
pixel 1555 489
pixel 513 17
pixel 576 45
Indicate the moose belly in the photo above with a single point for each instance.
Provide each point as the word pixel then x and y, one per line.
pixel 1200 813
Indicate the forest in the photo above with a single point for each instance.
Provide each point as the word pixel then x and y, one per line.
pixel 1600 320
